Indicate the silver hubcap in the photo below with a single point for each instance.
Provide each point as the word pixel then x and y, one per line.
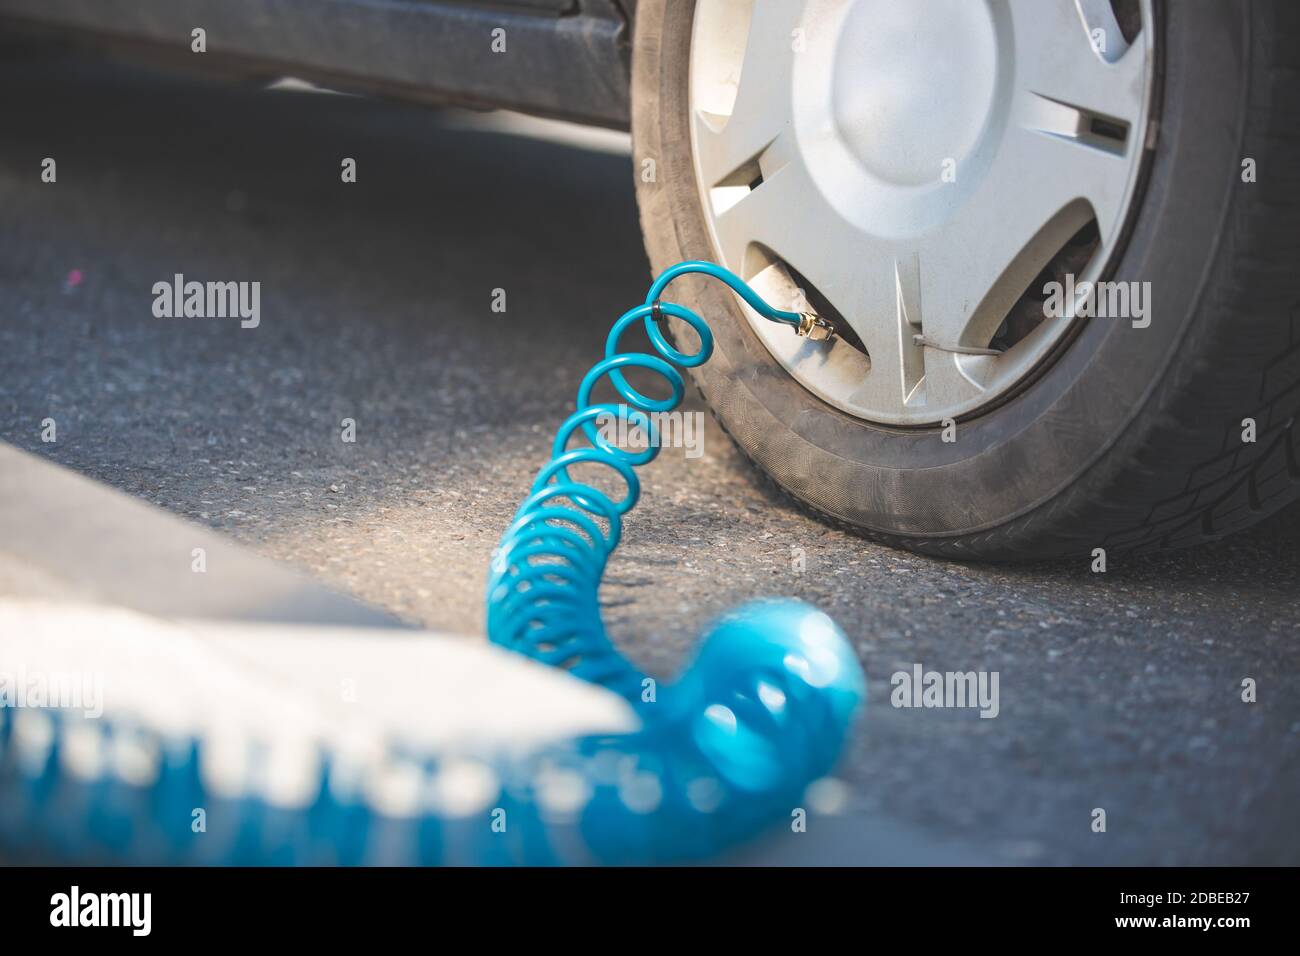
pixel 913 169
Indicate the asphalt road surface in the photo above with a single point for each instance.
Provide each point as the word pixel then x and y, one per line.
pixel 1119 691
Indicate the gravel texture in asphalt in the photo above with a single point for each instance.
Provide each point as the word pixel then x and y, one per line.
pixel 1119 691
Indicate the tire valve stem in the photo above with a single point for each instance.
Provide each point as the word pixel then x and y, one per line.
pixel 814 328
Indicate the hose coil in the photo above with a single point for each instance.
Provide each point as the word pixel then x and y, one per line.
pixel 545 577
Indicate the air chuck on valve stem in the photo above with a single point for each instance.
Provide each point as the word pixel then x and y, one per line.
pixel 814 328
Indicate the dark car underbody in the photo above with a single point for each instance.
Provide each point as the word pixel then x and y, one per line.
pixel 562 58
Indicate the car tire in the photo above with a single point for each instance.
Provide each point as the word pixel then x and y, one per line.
pixel 1128 439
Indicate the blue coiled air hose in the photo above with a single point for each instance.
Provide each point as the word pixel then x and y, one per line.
pixel 765 707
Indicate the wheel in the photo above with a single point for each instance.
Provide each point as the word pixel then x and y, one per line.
pixel 1057 241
